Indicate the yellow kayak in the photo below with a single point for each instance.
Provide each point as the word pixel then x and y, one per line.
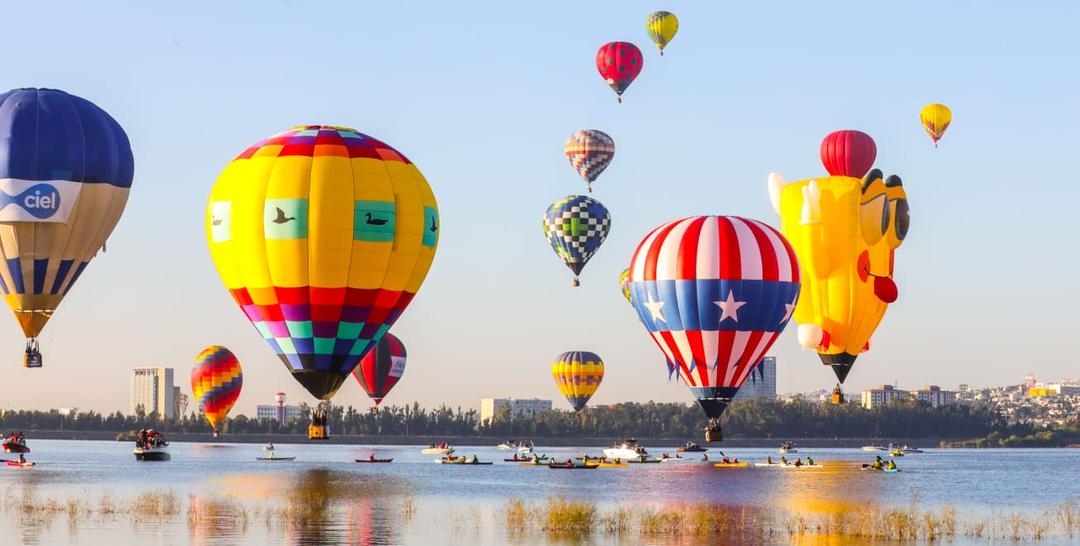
pixel 732 465
pixel 603 465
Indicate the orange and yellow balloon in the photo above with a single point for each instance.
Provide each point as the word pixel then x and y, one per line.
pixel 578 374
pixel 216 381
pixel 935 119
pixel 845 229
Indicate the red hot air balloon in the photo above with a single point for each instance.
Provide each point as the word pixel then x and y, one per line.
pixel 381 368
pixel 619 63
pixel 848 153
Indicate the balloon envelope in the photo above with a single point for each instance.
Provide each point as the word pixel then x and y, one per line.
pixel 322 235
pixel 935 120
pixel 845 231
pixel 624 285
pixel 65 173
pixel 714 292
pixel 590 152
pixel 848 153
pixel 578 374
pixel 381 368
pixel 216 381
pixel 575 227
pixel 619 63
pixel 661 26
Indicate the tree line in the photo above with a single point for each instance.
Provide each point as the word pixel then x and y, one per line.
pixel 756 418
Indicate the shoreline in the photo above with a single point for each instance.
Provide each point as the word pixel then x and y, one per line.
pixel 199 437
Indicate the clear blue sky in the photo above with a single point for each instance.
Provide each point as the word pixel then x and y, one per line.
pixel 483 97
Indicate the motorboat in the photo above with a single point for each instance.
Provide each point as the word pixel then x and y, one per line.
pixel 908 449
pixel 508 445
pixel 525 447
pixel 151 446
pixel 438 449
pixel 874 447
pixel 788 447
pixel 15 443
pixel 627 450
pixel 691 447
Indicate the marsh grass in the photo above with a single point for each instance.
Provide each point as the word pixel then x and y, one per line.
pixel 561 518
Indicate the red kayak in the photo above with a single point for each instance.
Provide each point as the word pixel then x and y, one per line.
pixel 27 464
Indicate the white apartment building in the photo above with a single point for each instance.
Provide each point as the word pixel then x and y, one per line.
pixel 153 389
pixel 933 395
pixel 271 412
pixel 882 396
pixel 490 407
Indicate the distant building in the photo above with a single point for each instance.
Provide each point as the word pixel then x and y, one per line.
pixel 153 390
pixel 518 407
pixel 271 412
pixel 882 396
pixel 1053 389
pixel 761 383
pixel 933 395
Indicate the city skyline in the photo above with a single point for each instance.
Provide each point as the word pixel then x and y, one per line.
pixel 697 133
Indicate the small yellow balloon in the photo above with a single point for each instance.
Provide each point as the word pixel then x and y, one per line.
pixel 661 26
pixel 935 119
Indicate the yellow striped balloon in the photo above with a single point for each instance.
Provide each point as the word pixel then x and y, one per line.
pixel 578 374
pixel 661 26
pixel 935 119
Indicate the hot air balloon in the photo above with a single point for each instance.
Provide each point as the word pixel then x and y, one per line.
pixel 381 368
pixel 65 174
pixel 935 119
pixel 619 63
pixel 578 374
pixel 216 381
pixel 848 151
pixel 575 228
pixel 845 229
pixel 714 292
pixel 590 152
pixel 661 26
pixel 322 235
pixel 624 285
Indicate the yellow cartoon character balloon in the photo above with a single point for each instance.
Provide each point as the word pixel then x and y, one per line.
pixel 845 229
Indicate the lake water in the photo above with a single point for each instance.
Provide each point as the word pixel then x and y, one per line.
pixel 96 493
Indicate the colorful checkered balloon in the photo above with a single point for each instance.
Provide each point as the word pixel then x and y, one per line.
pixel 590 152
pixel 576 227
pixel 323 235
pixel 216 381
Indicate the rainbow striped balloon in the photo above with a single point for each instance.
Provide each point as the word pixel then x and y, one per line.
pixel 216 380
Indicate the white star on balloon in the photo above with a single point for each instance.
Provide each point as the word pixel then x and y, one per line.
pixel 790 308
pixel 654 308
pixel 729 308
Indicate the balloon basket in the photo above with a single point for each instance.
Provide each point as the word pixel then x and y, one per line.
pixel 575 282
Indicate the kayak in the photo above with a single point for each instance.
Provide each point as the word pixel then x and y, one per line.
pixel 390 460
pixel 275 458
pixel 743 464
pixel 606 464
pixel 677 460
pixel 646 461
pixel 27 464
pixel 802 466
pixel 534 463
pixel 524 459
pixel 870 467
pixel 447 461
pixel 565 466
pixel 768 464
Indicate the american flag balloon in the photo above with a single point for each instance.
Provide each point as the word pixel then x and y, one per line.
pixel 714 292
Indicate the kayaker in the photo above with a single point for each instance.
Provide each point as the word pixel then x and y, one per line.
pixel 663 456
pixel 768 460
pixel 514 458
pixel 809 460
pixel 704 456
pixel 269 445
pixel 798 461
pixel 475 459
pixel 371 457
pixel 726 460
pixel 783 460
pixel 22 458
pixel 877 464
pixel 891 465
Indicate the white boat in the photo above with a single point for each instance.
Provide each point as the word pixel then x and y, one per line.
pixel 156 453
pixel 444 449
pixel 874 447
pixel 508 445
pixel 908 449
pixel 626 450
pixel 768 464
pixel 525 447
pixel 787 447
pixel 789 465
